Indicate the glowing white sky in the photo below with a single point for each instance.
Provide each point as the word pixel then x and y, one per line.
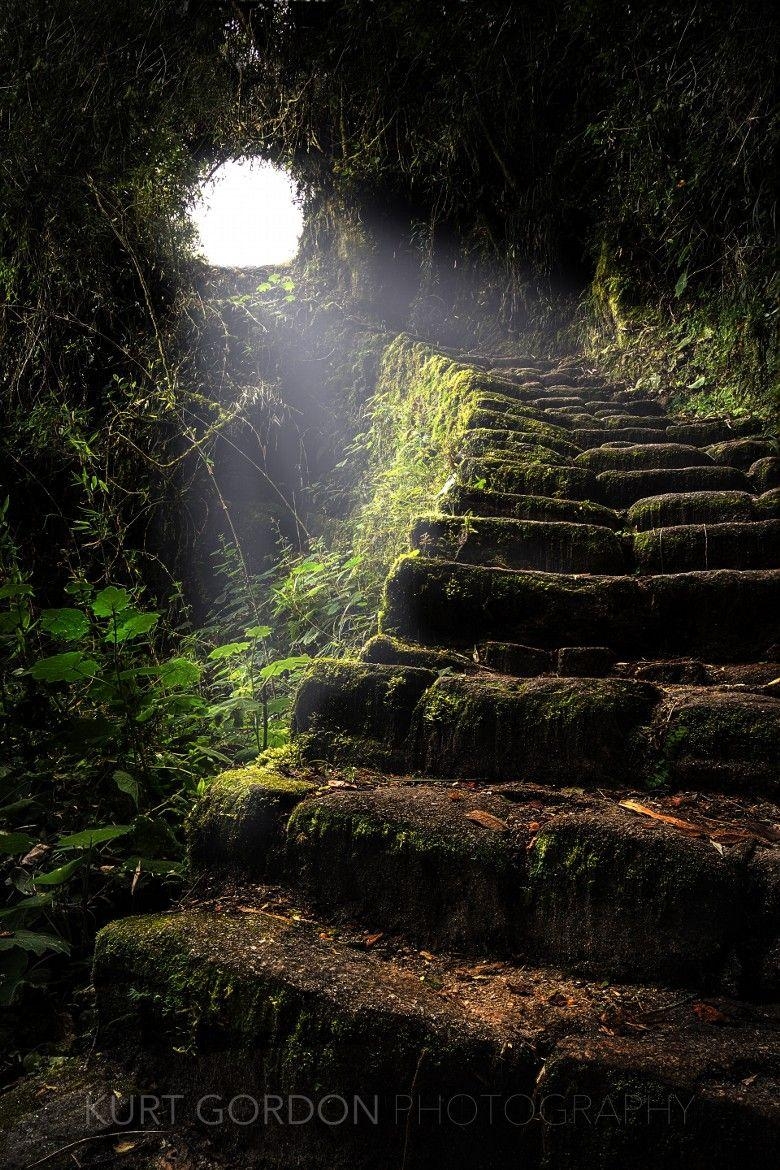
pixel 246 215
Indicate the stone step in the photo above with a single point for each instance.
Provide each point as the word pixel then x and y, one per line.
pixel 524 871
pixel 683 548
pixel 422 1060
pixel 622 405
pixel 390 652
pixel 621 489
pixel 643 457
pixel 768 505
pixel 701 432
pixel 561 481
pixel 482 502
pixel 692 508
pixel 600 662
pixel 534 441
pixel 588 438
pixel 764 474
pixel 553 546
pixel 742 453
pixel 618 421
pixel 721 615
pixel 595 731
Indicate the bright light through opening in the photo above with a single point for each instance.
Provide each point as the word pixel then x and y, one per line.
pixel 247 215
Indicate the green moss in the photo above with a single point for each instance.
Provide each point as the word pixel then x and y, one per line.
pixel 237 824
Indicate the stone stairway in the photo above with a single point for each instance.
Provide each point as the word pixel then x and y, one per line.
pixel 516 890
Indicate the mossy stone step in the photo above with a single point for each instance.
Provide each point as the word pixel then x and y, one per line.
pixel 390 652
pixel 621 404
pixel 642 457
pixel 752 545
pixel 723 615
pixel 248 1006
pixel 505 474
pixel 725 1130
pixel 621 489
pixel 675 508
pixel 701 432
pixel 551 730
pixel 767 505
pixel 482 502
pixel 236 826
pixel 521 445
pixel 553 546
pixel 742 452
pixel 360 711
pixel 618 421
pixel 588 438
pixel 579 882
pixel 764 474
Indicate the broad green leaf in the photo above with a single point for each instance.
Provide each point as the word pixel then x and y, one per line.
pixel 681 285
pixel 13 965
pixel 87 838
pixel 179 673
pixel 15 589
pixel 229 650
pixel 127 784
pixel 30 940
pixel 283 665
pixel 110 601
pixel 258 632
pixel 13 843
pixel 154 865
pixel 67 624
pixel 132 625
pixel 57 877
pixel 152 837
pixel 27 905
pixel 72 666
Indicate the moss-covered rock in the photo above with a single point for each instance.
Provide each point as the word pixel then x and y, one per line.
pixel 673 1107
pixel 590 438
pixel 741 452
pixel 720 615
pixel 620 489
pixel 358 713
pixel 240 1006
pixel 520 446
pixel 642 457
pixel 237 826
pixel 691 508
pixel 764 474
pixel 410 860
pixel 557 731
pixel 504 474
pixel 390 652
pixel 553 546
pixel 702 432
pixel 628 897
pixel 482 502
pixel 767 505
pixel 511 658
pixel 755 545
pixel 720 739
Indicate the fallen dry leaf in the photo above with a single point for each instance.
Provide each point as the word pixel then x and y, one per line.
pixel 124 1147
pixel 709 1014
pixel 372 939
pixel 487 820
pixel 683 826
pixel 534 827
